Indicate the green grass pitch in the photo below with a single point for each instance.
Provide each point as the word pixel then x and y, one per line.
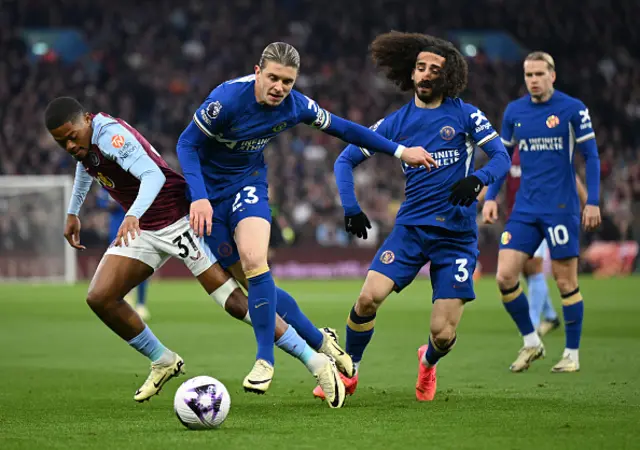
pixel 67 382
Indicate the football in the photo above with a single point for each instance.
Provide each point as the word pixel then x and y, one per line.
pixel 202 403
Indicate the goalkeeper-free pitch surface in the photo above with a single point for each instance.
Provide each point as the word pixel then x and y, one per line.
pixel 67 382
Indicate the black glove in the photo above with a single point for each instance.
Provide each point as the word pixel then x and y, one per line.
pixel 357 224
pixel 464 192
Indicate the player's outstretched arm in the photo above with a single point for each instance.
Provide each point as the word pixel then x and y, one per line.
pixel 352 133
pixel 81 187
pixel 355 221
pixel 360 136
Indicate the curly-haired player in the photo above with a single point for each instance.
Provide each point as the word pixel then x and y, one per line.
pixel 437 221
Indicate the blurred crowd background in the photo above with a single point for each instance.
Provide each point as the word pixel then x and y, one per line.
pixel 152 63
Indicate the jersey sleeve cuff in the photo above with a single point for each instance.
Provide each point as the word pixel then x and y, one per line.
pixel 486 139
pixel 399 151
pixel 201 126
pixel 586 137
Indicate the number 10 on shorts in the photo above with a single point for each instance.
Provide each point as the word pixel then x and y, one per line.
pixel 558 235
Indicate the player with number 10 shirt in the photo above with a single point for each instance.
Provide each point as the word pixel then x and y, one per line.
pixel 548 126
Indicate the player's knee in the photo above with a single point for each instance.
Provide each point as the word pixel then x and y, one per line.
pixel 254 266
pixel 442 337
pixel 98 299
pixel 566 284
pixel 506 280
pixel 367 305
pixel 252 260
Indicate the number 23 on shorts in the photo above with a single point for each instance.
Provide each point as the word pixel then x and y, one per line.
pixel 246 195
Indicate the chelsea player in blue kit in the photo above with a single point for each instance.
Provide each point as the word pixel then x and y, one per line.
pixel 548 126
pixel 221 153
pixel 436 223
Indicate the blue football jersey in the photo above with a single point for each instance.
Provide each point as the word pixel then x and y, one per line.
pixel 240 128
pixel 450 133
pixel 546 135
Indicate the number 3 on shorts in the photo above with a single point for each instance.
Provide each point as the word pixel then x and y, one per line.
pixel 463 273
pixel 250 198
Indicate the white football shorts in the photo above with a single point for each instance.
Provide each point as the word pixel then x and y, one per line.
pixel 177 240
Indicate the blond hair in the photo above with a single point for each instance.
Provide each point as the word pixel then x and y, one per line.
pixel 542 56
pixel 281 53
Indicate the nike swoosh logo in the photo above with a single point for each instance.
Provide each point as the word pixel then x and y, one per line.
pixel 336 398
pixel 259 381
pixel 336 348
pixel 330 332
pixel 260 304
pixel 159 383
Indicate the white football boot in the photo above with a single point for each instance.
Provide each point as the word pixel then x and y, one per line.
pixel 159 375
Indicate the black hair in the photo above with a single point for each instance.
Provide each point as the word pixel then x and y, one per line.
pixel 62 110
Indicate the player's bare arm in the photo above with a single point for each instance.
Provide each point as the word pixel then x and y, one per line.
pixel 72 232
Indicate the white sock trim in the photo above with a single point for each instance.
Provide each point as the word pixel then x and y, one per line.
pixel 571 353
pixel 532 340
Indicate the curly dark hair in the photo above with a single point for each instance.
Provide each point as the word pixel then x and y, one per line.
pixel 397 52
